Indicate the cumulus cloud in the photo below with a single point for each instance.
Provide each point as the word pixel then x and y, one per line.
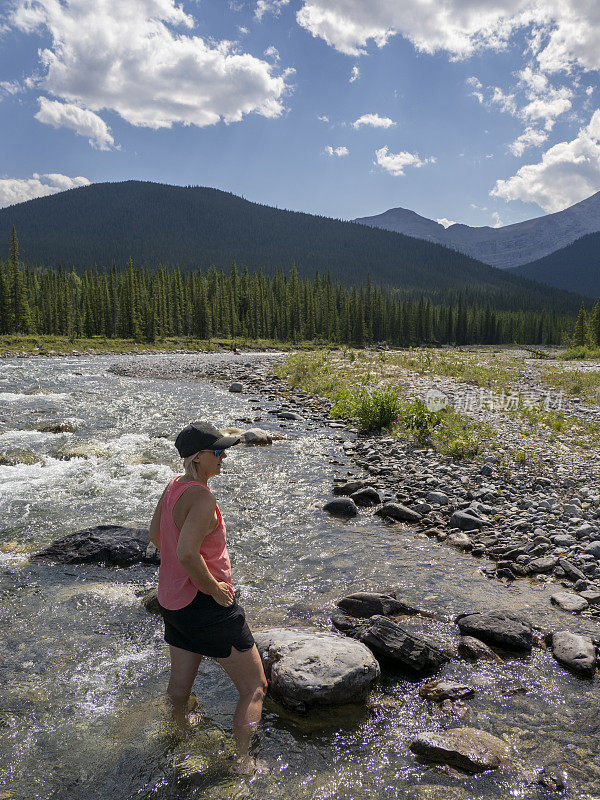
pixel 531 137
pixel 336 151
pixel 18 190
pixel 373 121
pixel 545 102
pixel 445 222
pixel 568 172
pixel 80 120
pixel 139 59
pixel 396 163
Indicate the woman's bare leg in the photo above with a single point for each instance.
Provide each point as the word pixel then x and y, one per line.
pixel 184 668
pixel 246 671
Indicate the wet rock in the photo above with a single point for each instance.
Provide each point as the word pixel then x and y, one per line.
pixel 236 387
pixel 398 512
pixel 289 415
pixel 348 488
pixel 367 604
pixel 306 669
pixel 569 601
pixel 256 436
pixel 397 643
pixel 445 690
pixel 344 622
pixel 341 507
pixel 459 540
pixel 574 651
pixel 366 497
pixel 149 599
pixel 14 456
pixel 466 748
pixel 56 427
pixel 502 628
pixel 113 545
pixel 470 647
pixel 554 778
pixel 465 521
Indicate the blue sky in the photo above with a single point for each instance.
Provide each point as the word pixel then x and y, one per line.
pixel 462 110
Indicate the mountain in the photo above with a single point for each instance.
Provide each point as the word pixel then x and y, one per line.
pixel 505 247
pixel 575 268
pixel 106 223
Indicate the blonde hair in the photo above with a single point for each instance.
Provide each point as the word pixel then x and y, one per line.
pixel 189 465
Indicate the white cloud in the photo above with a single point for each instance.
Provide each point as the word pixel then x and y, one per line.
pixel 354 75
pixel 506 102
pixel 269 7
pixel 272 52
pixel 396 163
pixel 568 172
pixel 80 120
pixel 9 87
pixel 336 151
pixel 323 118
pixel 18 190
pixel 560 33
pixel 373 121
pixel 497 221
pixel 589 90
pixel 445 222
pixel 138 59
pixel 531 137
pixel 476 87
pixel 545 102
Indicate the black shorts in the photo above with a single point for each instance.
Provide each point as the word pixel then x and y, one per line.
pixel 207 628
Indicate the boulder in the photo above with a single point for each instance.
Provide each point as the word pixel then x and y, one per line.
pixel 445 690
pixel 469 647
pixel 502 628
pixel 569 601
pixel 366 604
pixel 397 643
pixel 465 521
pixel 149 599
pixel 571 571
pixel 341 507
pixel 348 488
pixel 574 651
pixel 344 622
pixel 366 497
pixel 542 564
pixel 113 545
pixel 437 499
pixel 306 669
pixel 289 415
pixel 236 387
pixel 466 748
pixel 398 512
pixel 256 436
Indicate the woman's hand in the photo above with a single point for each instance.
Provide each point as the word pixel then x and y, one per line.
pixel 223 594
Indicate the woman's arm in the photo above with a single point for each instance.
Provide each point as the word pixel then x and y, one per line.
pixel 155 524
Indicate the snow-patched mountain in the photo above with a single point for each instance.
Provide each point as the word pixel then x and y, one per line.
pixel 505 247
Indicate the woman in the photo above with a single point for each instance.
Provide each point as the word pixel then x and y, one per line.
pixel 195 595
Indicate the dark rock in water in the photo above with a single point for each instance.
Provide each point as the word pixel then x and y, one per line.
pixel 470 647
pixel 306 669
pixel 344 622
pixel 445 690
pixel 574 651
pixel 348 488
pixel 554 778
pixel 236 387
pixel 387 638
pixel 398 512
pixel 502 628
pixel 149 599
pixel 56 427
pixel 466 748
pixel 341 507
pixel 465 521
pixel 366 604
pixel 366 497
pixel 289 415
pixel 113 545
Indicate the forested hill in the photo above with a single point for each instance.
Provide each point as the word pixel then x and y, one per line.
pixel 106 223
pixel 575 268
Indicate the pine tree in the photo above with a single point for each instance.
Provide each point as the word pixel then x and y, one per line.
pixel 580 331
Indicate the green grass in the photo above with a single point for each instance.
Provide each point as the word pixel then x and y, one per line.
pixel 585 385
pixel 580 353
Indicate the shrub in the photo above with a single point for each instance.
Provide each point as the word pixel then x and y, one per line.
pixel 418 420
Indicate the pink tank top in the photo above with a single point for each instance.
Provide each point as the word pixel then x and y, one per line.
pixel 175 587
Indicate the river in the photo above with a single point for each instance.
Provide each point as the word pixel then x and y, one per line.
pixel 84 665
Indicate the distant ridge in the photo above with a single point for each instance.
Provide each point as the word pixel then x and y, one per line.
pixel 106 223
pixel 506 247
pixel 575 268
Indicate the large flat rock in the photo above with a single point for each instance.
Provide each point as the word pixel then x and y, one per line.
pixel 467 748
pixel 306 669
pixel 398 643
pixel 113 545
pixel 501 628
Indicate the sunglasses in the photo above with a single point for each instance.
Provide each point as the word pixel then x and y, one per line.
pixel 218 453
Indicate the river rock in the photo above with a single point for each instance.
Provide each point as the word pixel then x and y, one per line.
pixel 542 564
pixel 398 512
pixel 306 669
pixel 445 690
pixel 571 571
pixel 388 639
pixel 341 507
pixel 113 545
pixel 466 748
pixel 470 647
pixel 348 488
pixel 344 622
pixel 366 497
pixel 56 427
pixel 367 604
pixel 459 540
pixel 465 521
pixel 256 436
pixel 554 778
pixel 437 499
pixel 574 651
pixel 569 601
pixel 502 628
pixel 593 548
pixel 289 415
pixel 236 387
pixel 149 599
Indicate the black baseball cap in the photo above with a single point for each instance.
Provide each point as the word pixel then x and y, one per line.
pixel 202 436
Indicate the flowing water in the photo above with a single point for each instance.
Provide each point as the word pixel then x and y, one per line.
pixel 83 665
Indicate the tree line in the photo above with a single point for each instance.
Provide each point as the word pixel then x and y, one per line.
pixel 146 305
